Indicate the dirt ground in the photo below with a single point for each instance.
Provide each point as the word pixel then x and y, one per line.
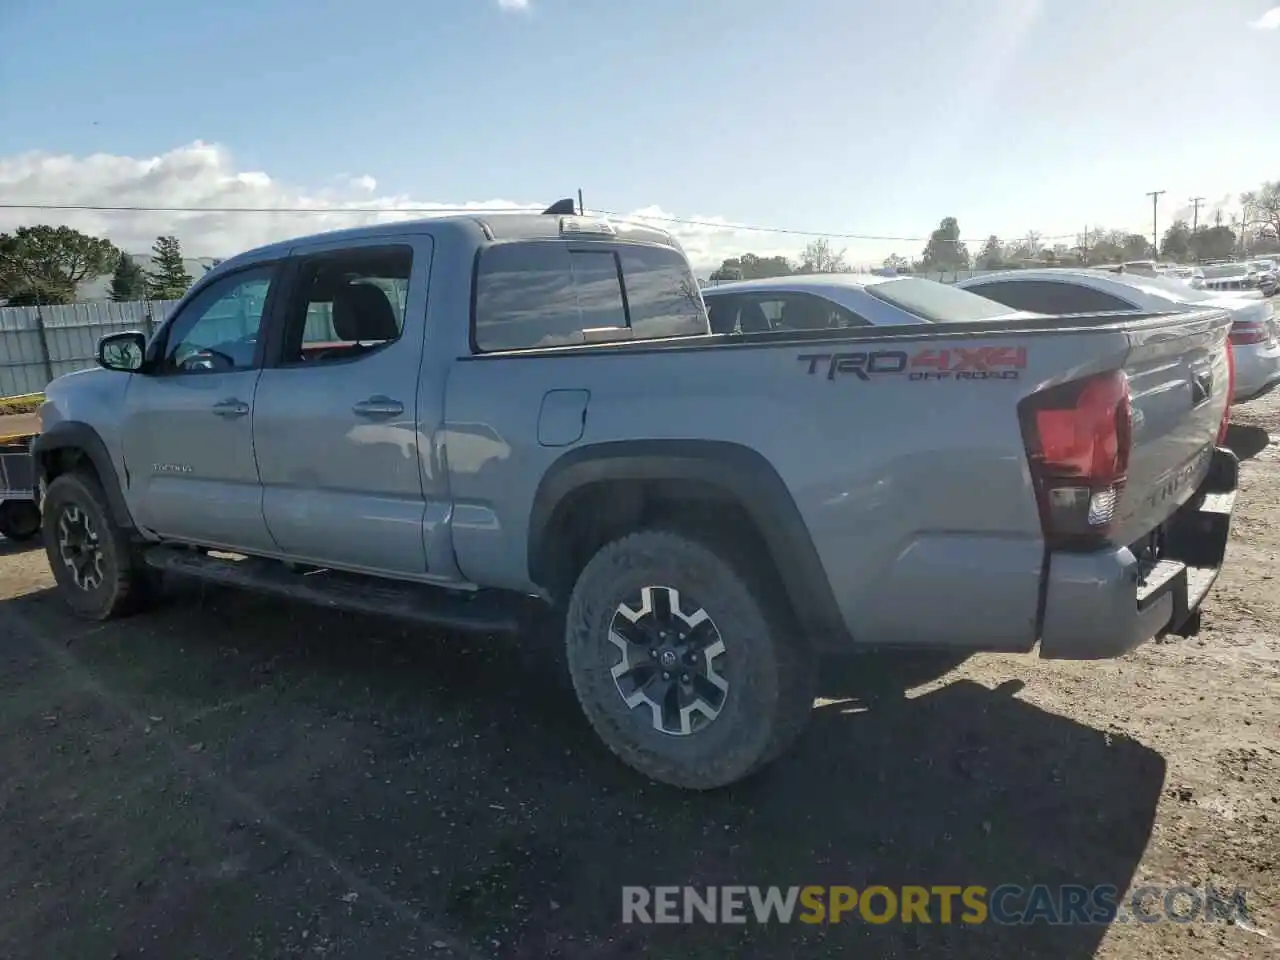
pixel 234 777
pixel 19 424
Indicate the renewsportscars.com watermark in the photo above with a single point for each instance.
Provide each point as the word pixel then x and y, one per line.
pixel 1008 904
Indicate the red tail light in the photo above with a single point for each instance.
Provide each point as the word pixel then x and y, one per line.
pixel 1244 332
pixel 1231 392
pixel 1078 436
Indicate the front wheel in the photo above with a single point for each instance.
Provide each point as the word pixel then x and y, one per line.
pixel 682 665
pixel 92 559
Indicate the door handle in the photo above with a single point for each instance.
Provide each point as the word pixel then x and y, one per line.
pixel 378 407
pixel 231 408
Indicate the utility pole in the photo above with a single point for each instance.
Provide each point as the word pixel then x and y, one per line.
pixel 581 209
pixel 1195 212
pixel 1155 208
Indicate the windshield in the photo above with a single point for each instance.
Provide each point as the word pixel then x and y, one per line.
pixel 937 302
pixel 1220 270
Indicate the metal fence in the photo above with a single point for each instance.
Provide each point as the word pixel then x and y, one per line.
pixel 38 344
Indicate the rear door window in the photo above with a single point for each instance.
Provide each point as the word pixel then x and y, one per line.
pixel 1052 297
pixel 552 293
pixel 784 310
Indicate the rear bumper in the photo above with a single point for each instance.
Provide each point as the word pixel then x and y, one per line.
pixel 1103 604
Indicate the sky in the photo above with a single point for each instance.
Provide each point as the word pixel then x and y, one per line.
pixel 853 119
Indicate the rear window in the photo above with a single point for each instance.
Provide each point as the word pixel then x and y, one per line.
pixel 936 302
pixel 549 293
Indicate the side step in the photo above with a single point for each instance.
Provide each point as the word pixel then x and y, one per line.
pixel 487 612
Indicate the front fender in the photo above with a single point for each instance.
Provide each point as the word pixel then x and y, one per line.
pixel 67 436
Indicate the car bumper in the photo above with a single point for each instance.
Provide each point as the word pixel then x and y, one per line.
pixel 1103 604
pixel 1257 369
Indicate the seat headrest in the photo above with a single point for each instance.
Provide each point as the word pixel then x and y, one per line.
pixel 362 312
pixel 751 319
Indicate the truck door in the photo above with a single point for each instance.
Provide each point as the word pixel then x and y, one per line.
pixel 335 423
pixel 187 430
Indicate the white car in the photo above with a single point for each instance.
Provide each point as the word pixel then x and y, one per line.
pixel 821 301
pixel 1268 276
pixel 1229 277
pixel 1253 330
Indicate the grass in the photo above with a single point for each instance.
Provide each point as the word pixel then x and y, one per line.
pixel 25 404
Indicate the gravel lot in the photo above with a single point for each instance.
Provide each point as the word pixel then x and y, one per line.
pixel 235 777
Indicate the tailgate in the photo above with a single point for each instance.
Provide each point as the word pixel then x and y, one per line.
pixel 1178 371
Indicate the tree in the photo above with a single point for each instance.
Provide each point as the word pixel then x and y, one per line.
pixel 128 282
pixel 170 279
pixel 895 262
pixel 818 257
pixel 1211 243
pixel 749 266
pixel 945 251
pixel 991 256
pixel 1135 246
pixel 1108 246
pixel 1176 244
pixel 1262 206
pixel 45 264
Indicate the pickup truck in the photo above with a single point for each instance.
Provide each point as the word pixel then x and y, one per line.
pixel 491 421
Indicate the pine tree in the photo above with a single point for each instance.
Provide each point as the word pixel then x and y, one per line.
pixel 128 282
pixel 169 280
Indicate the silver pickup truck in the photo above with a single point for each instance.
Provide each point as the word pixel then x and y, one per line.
pixel 482 422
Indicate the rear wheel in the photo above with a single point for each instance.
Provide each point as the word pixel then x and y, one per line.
pixel 93 561
pixel 19 519
pixel 683 667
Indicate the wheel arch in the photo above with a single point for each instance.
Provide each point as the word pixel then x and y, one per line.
pixel 70 442
pixel 620 476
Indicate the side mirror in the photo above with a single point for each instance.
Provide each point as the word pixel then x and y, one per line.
pixel 122 351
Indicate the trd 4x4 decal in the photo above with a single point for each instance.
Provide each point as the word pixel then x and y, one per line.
pixel 951 363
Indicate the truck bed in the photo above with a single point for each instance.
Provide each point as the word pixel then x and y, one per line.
pixel 898 449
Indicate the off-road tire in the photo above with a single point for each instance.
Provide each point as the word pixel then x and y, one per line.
pixel 126 584
pixel 19 520
pixel 770 670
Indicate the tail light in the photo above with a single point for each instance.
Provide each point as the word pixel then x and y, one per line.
pixel 1244 332
pixel 1231 392
pixel 1078 436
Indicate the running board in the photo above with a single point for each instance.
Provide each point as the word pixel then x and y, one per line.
pixel 487 612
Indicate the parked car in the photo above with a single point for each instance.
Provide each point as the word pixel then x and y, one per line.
pixel 1268 276
pixel 1229 277
pixel 835 301
pixel 1253 329
pixel 482 422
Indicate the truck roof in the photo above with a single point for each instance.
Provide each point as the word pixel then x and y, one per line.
pixel 501 225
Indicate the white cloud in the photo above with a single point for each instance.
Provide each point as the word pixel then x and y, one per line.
pixel 514 4
pixel 207 175
pixel 1268 21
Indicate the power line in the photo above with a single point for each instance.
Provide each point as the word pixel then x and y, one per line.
pixel 326 211
pixel 102 208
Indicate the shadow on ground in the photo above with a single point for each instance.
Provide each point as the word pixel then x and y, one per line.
pixel 1246 441
pixel 458 779
pixel 12 547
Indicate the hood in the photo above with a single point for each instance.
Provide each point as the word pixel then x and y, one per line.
pixel 83 395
